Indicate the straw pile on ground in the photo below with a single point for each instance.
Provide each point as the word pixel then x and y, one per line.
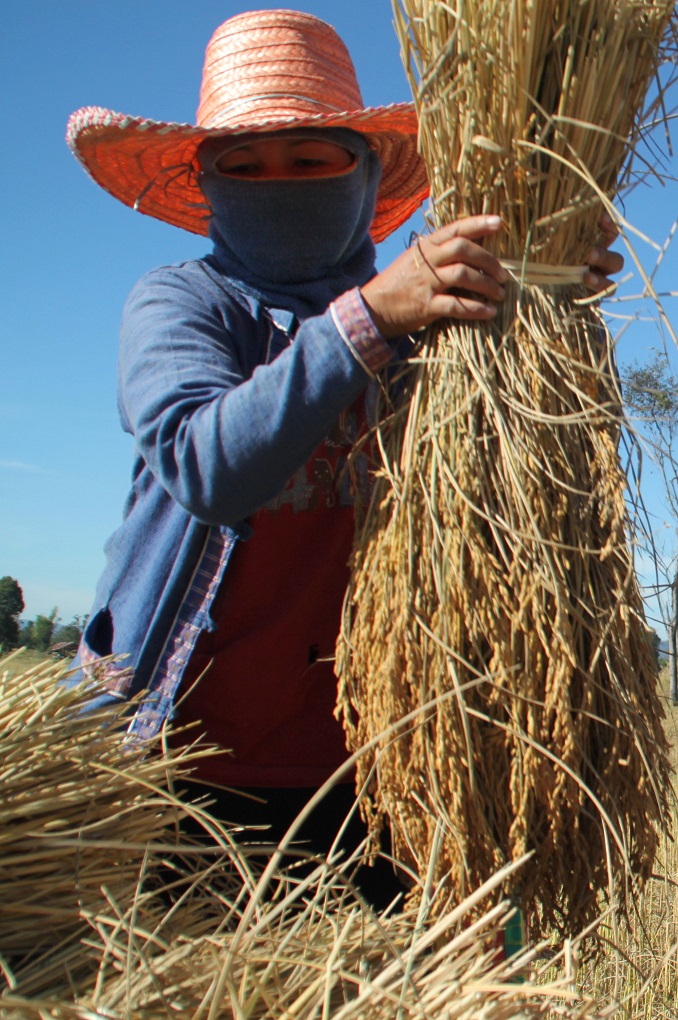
pixel 108 913
pixel 88 821
pixel 493 589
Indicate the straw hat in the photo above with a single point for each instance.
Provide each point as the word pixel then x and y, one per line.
pixel 264 71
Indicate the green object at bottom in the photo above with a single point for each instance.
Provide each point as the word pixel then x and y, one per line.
pixel 514 940
pixel 514 934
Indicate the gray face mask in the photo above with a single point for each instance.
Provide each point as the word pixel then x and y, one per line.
pixel 293 231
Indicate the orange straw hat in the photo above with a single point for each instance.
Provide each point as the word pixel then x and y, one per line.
pixel 264 71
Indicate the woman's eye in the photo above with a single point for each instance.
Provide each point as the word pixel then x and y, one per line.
pixel 241 169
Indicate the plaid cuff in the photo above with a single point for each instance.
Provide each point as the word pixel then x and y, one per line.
pixel 359 333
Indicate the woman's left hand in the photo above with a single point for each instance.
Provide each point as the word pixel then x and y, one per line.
pixel 602 262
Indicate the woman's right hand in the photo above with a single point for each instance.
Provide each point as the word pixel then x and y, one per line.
pixel 444 275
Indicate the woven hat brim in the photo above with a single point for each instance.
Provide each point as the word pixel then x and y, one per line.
pixel 152 166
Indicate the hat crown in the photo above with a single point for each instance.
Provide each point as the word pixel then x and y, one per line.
pixel 278 64
pixel 264 71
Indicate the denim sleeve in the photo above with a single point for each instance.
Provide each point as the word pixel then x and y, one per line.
pixel 221 438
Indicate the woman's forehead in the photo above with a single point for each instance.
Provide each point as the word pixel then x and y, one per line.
pixel 294 136
pixel 217 145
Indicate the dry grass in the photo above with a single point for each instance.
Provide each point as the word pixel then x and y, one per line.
pixel 493 586
pixel 23 660
pixel 637 967
pixel 106 911
pixel 87 819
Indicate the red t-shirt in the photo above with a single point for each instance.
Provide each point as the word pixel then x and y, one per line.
pixel 269 694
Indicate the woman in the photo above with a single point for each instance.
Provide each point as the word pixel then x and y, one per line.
pixel 243 379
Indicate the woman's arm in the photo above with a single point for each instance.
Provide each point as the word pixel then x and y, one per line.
pixel 220 438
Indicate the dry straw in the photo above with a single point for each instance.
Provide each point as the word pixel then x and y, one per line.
pixel 116 923
pixel 88 820
pixel 492 574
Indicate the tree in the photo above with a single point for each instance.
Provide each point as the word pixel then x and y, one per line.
pixel 656 648
pixel 11 607
pixel 26 634
pixel 43 629
pixel 69 633
pixel 651 391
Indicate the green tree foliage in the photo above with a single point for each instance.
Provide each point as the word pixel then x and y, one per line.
pixel 651 393
pixel 71 632
pixel 26 634
pixel 11 607
pixel 656 642
pixel 43 631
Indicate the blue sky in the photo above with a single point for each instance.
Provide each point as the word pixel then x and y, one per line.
pixel 71 253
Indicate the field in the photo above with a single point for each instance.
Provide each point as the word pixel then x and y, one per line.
pixel 25 660
pixel 639 968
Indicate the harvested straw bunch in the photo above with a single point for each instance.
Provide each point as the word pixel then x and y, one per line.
pixel 87 824
pixel 314 951
pixel 493 586
pixel 88 820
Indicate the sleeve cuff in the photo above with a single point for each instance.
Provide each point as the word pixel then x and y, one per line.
pixel 357 330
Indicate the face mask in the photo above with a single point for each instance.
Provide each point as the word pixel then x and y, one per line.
pixel 293 231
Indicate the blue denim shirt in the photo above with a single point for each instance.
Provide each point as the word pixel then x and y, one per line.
pixel 224 408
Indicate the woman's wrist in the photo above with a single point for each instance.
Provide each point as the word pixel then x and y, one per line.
pixel 358 330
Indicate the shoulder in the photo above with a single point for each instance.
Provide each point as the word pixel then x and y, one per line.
pixel 190 305
pixel 195 281
pixel 192 290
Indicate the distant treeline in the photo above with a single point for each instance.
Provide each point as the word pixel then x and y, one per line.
pixel 43 633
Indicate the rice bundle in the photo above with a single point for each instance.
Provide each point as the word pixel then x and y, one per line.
pixel 493 588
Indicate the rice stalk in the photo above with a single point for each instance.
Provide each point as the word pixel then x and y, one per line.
pixel 496 545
